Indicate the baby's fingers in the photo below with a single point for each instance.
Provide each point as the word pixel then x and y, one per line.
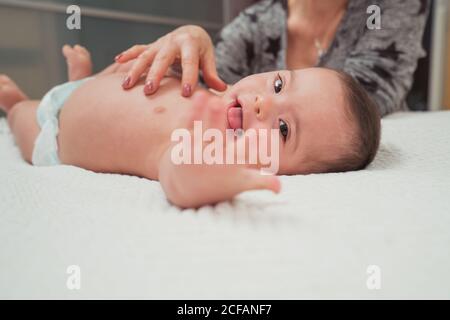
pixel 252 179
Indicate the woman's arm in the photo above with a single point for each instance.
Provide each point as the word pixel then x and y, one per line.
pixel 234 49
pixel 384 60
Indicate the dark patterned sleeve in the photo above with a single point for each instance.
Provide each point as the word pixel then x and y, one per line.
pixel 384 60
pixel 234 49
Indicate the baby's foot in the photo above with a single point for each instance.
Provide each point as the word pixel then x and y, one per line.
pixel 79 64
pixel 10 94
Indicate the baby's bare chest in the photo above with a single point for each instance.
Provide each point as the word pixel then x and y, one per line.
pixel 105 128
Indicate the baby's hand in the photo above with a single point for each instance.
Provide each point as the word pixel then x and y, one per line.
pixel 194 185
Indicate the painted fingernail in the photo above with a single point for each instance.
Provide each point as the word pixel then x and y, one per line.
pixel 186 90
pixel 126 82
pixel 148 88
pixel 118 56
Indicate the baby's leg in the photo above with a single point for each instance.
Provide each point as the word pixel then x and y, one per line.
pixel 21 115
pixel 10 93
pixel 23 124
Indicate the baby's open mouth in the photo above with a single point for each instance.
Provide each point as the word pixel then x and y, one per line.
pixel 234 115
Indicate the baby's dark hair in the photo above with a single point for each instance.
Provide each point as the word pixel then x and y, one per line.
pixel 363 112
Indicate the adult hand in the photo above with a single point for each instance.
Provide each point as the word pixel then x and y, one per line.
pixel 190 44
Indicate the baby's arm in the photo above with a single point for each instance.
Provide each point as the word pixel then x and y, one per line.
pixel 195 185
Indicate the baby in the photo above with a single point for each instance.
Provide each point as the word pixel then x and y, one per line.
pixel 326 123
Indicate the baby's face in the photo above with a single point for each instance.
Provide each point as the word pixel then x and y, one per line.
pixel 308 108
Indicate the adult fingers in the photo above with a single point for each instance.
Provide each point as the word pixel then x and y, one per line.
pixel 163 59
pixel 139 66
pixel 190 65
pixel 208 66
pixel 130 53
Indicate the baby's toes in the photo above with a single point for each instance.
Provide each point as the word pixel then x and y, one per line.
pixel 82 51
pixel 4 79
pixel 68 52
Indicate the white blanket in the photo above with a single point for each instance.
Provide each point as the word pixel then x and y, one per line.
pixel 314 240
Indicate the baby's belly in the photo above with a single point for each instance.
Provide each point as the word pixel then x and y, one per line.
pixel 106 129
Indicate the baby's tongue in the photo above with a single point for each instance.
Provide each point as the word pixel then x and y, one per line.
pixel 235 118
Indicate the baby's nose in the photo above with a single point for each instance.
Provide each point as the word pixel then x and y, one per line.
pixel 261 107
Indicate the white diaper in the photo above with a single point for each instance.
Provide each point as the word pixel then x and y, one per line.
pixel 45 152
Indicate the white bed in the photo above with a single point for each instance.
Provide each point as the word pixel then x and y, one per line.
pixel 314 240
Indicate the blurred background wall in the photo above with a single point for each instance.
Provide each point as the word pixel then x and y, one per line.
pixel 32 33
pixel 447 62
pixel 438 77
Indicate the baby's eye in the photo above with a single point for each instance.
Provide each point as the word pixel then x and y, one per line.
pixel 278 84
pixel 284 130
